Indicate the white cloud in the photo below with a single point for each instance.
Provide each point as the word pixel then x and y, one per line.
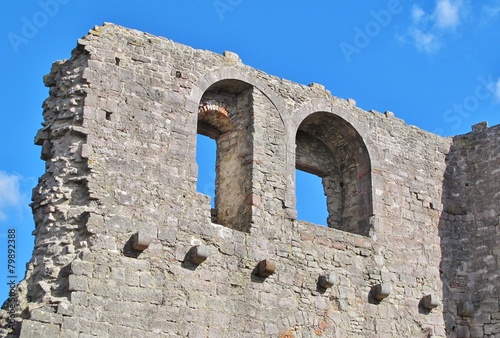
pixel 417 14
pixel 10 194
pixel 427 29
pixel 497 89
pixel 425 42
pixel 447 13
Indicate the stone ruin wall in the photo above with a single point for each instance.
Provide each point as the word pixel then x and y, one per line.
pixel 470 234
pixel 418 212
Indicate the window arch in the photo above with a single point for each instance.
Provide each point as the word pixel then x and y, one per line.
pixel 224 115
pixel 329 147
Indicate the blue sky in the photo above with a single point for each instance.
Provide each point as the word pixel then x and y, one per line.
pixel 434 63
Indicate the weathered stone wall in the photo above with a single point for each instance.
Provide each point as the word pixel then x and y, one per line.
pixel 470 236
pixel 131 152
pixel 61 200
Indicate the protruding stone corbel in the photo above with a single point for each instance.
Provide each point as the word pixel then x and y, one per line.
pixel 198 254
pixel 266 268
pixel 430 301
pixel 42 135
pixel 327 280
pixel 140 241
pixel 381 291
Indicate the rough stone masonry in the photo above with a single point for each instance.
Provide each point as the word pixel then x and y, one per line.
pixel 126 247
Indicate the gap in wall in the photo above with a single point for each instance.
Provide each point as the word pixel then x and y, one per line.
pixel 311 199
pixel 206 149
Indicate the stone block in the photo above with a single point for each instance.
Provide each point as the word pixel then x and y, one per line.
pixel 381 291
pixel 490 329
pixel 78 283
pixel 81 268
pixel 46 150
pixel 266 268
pixel 100 329
pixel 120 331
pixel 41 136
pixel 489 305
pixel 465 309
pixel 70 334
pixel 477 330
pixel 141 241
pixel 198 254
pixel 430 301
pixel 70 324
pixel 462 331
pixel 327 280
pixel 46 316
pixel 316 86
pixel 232 56
pixel 31 329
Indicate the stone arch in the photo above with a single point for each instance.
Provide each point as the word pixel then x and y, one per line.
pixel 347 179
pixel 215 117
pixel 230 73
pixel 213 109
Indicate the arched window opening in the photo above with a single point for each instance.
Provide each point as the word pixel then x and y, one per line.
pixel 329 147
pixel 311 200
pixel 224 115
